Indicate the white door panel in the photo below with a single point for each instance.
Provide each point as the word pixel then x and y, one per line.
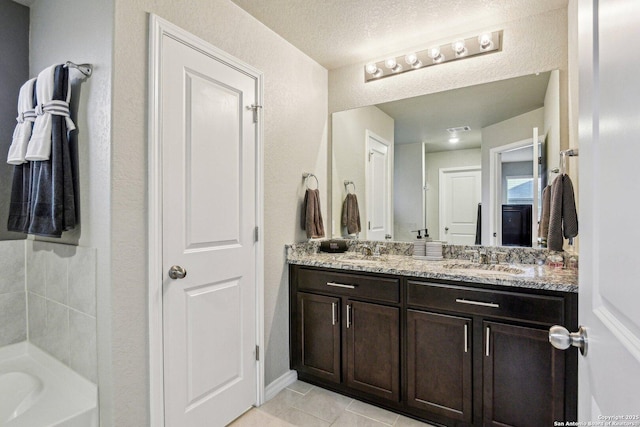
pixel 460 193
pixel 609 153
pixel 209 214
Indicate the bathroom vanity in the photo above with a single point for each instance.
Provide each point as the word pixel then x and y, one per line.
pixel 447 342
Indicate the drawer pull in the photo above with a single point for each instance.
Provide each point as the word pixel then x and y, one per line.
pixel 340 285
pixel 348 316
pixel 484 304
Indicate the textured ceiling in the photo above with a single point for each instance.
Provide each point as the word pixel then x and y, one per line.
pixel 426 118
pixel 336 33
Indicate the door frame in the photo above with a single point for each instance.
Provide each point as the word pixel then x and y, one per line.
pixel 369 134
pixel 158 28
pixel 441 191
pixel 495 189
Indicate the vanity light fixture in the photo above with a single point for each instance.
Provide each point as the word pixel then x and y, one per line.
pixel 487 42
pixel 454 140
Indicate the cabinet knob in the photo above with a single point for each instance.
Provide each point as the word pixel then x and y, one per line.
pixel 562 339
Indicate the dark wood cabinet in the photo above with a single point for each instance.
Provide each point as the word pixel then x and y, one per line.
pixel 318 324
pixel 373 349
pixel 439 364
pixel 451 353
pixel 523 377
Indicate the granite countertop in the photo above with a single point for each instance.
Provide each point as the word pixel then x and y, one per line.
pixel 531 276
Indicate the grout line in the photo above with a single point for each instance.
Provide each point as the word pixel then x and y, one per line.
pixel 370 418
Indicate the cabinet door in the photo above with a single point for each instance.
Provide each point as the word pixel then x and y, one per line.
pixel 318 326
pixel 439 364
pixel 523 377
pixel 373 349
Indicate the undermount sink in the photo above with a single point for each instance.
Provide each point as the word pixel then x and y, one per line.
pixel 490 268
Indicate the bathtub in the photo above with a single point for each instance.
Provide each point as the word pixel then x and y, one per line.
pixel 36 390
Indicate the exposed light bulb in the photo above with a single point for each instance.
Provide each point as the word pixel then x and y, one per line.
pixel 435 54
pixel 390 63
pixel 459 48
pixel 412 60
pixel 373 69
pixel 454 140
pixel 486 41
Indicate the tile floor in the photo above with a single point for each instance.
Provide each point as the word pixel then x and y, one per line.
pixel 305 405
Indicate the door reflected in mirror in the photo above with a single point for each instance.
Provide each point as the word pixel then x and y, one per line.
pixel 456 158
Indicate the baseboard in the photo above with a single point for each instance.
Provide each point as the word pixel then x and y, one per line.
pixel 279 384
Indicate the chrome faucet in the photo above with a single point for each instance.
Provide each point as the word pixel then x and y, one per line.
pixel 366 250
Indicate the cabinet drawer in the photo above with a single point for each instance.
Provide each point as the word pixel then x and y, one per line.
pixel 508 305
pixel 352 285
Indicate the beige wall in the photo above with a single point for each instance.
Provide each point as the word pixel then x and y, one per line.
pixel 408 195
pixel 295 141
pixel 552 123
pixel 433 163
pixel 348 157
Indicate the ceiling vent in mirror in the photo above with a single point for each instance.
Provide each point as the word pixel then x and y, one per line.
pixel 459 129
pixel 488 42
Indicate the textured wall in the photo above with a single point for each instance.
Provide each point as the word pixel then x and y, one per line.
pixel 348 130
pixel 14 51
pixel 295 141
pixel 408 202
pixel 536 43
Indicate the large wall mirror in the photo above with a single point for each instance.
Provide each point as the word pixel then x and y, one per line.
pixel 467 164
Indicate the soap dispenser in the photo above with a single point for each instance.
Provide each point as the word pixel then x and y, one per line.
pixel 419 245
pixel 426 236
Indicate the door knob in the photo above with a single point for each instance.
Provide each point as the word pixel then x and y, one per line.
pixel 446 229
pixel 561 338
pixel 177 272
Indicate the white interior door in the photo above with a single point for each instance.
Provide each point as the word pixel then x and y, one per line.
pixel 609 270
pixel 378 221
pixel 460 192
pixel 208 214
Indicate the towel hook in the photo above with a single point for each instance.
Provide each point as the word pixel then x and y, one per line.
pixel 346 186
pixel 306 177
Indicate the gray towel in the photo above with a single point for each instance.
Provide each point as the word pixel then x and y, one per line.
pixel 351 214
pixel 543 226
pixel 19 215
pixel 563 217
pixel 312 215
pixel 45 203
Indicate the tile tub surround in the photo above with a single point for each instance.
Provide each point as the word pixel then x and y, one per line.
pixel 534 276
pixel 13 308
pixel 61 303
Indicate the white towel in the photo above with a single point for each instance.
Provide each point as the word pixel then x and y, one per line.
pixel 22 132
pixel 39 148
